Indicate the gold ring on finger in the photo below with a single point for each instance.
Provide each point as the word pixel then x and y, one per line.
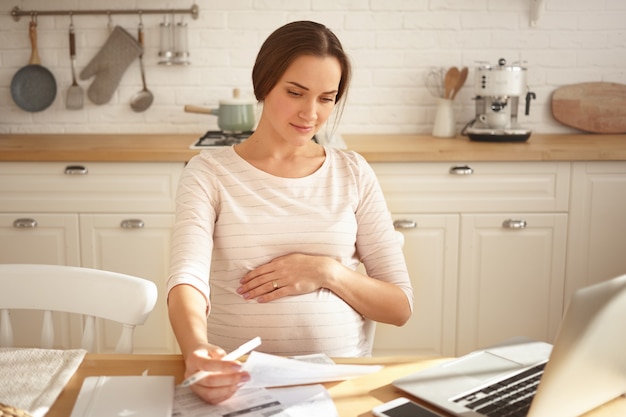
pixel 275 284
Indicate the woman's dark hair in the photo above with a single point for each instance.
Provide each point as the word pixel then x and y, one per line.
pixel 289 42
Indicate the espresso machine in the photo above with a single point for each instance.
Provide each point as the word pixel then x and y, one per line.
pixel 498 90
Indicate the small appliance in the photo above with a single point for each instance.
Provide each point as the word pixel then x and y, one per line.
pixel 498 89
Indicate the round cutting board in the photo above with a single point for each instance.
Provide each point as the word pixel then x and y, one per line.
pixel 596 107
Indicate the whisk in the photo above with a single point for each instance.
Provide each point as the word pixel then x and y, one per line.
pixel 434 81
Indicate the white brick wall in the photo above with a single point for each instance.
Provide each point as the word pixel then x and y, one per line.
pixel 392 44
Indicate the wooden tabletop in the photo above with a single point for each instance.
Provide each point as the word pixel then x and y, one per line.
pixel 355 397
pixel 375 148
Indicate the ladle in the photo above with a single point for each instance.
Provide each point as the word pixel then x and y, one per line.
pixel 143 99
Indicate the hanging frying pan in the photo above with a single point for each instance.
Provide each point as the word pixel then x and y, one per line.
pixel 33 87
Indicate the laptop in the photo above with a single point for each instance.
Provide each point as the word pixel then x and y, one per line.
pixel 585 368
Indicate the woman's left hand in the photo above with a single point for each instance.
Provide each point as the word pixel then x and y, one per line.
pixel 291 274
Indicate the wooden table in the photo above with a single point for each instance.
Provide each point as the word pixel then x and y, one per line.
pixel 355 397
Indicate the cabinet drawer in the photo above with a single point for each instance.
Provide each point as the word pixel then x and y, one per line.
pixel 440 187
pixel 88 187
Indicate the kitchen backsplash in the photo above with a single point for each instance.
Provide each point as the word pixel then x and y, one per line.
pixel 392 44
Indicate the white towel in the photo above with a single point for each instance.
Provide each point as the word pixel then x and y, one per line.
pixel 32 379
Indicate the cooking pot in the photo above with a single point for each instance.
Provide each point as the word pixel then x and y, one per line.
pixel 233 115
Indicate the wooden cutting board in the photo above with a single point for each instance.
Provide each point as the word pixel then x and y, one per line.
pixel 596 107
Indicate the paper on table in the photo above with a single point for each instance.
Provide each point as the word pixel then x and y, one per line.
pixel 310 400
pixel 255 402
pixel 275 371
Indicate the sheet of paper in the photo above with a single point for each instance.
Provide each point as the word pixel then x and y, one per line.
pixel 276 371
pixel 310 400
pixel 306 401
pixel 255 402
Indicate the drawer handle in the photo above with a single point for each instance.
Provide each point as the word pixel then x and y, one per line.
pixel 514 224
pixel 25 223
pixel 75 170
pixel 405 224
pixel 462 170
pixel 132 224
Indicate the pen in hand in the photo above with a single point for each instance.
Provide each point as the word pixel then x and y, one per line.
pixel 234 355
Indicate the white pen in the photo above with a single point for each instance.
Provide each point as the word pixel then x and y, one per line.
pixel 234 355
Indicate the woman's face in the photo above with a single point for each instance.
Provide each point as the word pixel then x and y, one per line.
pixel 303 99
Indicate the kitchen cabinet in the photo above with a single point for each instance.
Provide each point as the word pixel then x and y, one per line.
pixel 505 230
pixel 431 253
pixel 511 277
pixel 114 216
pixel 597 235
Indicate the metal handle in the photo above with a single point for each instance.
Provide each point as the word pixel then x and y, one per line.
pixel 132 224
pixel 76 170
pixel 405 224
pixel 461 170
pixel 514 224
pixel 25 223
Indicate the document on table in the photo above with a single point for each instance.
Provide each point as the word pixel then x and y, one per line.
pixel 255 400
pixel 276 371
pixel 310 400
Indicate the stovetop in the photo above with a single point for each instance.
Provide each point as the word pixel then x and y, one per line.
pixel 214 138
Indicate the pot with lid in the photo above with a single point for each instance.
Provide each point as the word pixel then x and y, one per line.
pixel 233 114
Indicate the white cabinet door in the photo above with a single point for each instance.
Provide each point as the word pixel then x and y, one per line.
pixel 597 237
pixel 39 238
pixel 431 252
pixel 511 278
pixel 137 244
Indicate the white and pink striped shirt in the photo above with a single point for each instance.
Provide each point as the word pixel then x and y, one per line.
pixel 232 217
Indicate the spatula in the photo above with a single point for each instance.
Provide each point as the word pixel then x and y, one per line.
pixel 75 95
pixel 450 80
pixel 460 81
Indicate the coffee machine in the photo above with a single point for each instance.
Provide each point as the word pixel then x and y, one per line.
pixel 498 89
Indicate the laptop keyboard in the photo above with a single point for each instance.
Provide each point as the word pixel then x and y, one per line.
pixel 508 398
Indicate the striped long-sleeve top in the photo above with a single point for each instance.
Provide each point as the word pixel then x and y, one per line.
pixel 232 217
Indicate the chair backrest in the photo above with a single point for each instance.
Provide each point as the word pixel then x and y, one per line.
pixel 91 293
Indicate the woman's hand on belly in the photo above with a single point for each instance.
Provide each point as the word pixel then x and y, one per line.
pixel 292 274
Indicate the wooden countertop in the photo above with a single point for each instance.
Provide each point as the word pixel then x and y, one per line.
pixel 375 148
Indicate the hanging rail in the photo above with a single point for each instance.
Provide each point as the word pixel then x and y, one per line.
pixel 17 12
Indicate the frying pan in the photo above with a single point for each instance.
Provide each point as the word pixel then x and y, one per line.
pixel 33 87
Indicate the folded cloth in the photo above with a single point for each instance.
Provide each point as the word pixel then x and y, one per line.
pixel 32 379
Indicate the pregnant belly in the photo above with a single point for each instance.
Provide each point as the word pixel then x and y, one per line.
pixel 318 322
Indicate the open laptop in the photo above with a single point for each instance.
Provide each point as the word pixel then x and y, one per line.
pixel 586 366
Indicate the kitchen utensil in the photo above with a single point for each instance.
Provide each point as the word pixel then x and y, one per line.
pixel 144 98
pixel 434 82
pixel 450 81
pixel 595 107
pixel 33 87
pixel 234 114
pixel 75 95
pixel 460 81
pixel 497 91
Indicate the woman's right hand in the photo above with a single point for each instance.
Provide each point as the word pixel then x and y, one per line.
pixel 225 379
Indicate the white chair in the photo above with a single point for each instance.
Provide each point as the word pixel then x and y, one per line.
pixel 91 293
